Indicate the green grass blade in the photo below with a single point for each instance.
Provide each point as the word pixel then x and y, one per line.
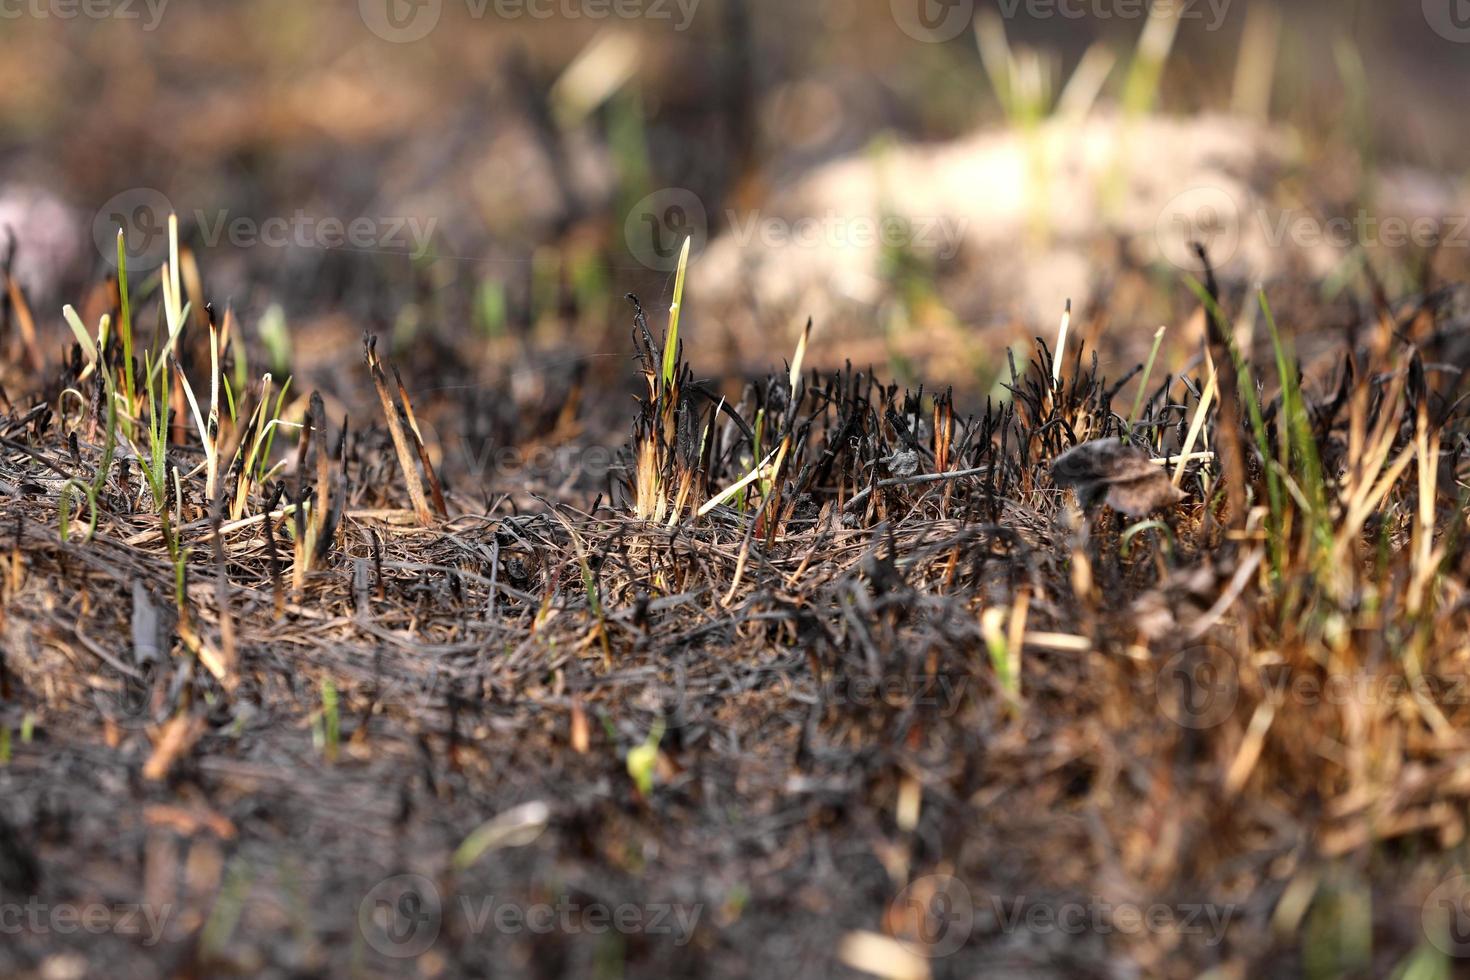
pixel 671 342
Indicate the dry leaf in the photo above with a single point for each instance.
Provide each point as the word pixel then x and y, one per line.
pixel 1111 471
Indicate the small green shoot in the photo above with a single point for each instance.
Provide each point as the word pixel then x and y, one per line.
pixel 643 759
pixel 671 342
pixel 1148 370
pixel 331 720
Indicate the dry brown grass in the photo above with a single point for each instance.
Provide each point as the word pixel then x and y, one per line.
pixel 897 652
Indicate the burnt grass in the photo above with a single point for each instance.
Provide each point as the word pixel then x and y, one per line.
pixel 875 690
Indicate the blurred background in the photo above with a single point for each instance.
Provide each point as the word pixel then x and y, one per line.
pixel 482 181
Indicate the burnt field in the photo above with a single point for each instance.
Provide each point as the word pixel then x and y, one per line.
pixel 594 591
pixel 830 663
